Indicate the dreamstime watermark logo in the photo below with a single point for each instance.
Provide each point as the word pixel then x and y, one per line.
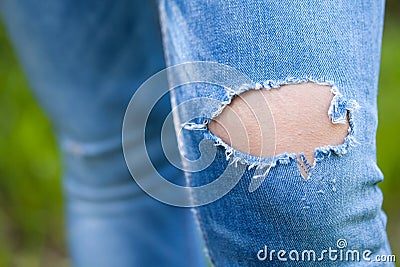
pixel 340 253
pixel 134 126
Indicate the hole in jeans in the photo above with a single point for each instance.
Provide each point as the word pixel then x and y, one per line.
pixel 290 119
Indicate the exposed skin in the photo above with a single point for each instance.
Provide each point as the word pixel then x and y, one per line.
pixel 293 119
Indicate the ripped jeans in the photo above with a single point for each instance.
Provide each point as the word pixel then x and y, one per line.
pixel 85 59
pixel 275 44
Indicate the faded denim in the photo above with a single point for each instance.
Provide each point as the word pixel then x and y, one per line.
pixel 276 43
pixel 85 58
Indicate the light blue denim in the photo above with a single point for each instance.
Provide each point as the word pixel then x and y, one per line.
pixel 276 43
pixel 84 60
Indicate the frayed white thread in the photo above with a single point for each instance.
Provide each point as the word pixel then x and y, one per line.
pixel 194 126
pixel 234 161
pixel 258 179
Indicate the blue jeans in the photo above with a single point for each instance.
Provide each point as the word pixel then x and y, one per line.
pixel 84 60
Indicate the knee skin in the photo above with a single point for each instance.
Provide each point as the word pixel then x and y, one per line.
pixel 293 119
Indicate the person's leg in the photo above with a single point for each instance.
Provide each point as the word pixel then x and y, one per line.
pixel 84 60
pixel 315 66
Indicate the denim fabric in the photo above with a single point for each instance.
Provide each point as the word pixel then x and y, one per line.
pixel 276 43
pixel 84 60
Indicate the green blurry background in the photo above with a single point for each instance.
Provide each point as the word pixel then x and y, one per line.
pixel 31 219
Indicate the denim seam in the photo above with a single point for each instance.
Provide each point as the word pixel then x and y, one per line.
pixel 203 234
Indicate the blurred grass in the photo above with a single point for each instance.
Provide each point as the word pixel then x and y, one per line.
pixel 31 219
pixel 388 142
